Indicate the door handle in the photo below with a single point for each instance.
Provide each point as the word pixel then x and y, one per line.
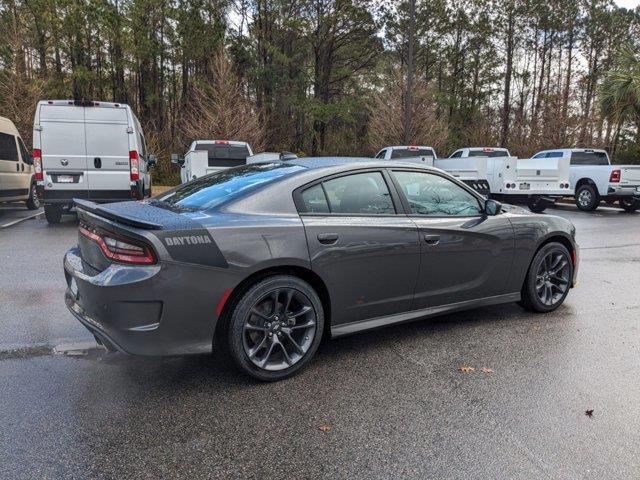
pixel 97 162
pixel 432 239
pixel 17 167
pixel 328 238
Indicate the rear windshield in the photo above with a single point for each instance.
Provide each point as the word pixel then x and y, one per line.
pixel 490 154
pixel 213 189
pixel 224 155
pixel 406 153
pixel 589 158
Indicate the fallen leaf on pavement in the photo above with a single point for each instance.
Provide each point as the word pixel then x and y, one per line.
pixel 324 428
pixel 466 369
pixel 589 413
pixel 486 370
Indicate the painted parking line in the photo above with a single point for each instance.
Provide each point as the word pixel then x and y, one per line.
pixel 18 220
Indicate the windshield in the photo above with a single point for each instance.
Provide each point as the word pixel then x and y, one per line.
pixel 213 189
pixel 221 155
pixel 410 153
pixel 488 153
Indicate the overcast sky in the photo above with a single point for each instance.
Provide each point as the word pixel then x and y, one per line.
pixel 627 3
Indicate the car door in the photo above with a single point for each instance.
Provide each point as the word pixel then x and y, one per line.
pixel 107 139
pixel 465 254
pixel 12 188
pixel 366 253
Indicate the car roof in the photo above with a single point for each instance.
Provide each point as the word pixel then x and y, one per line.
pixel 349 163
pixel 7 126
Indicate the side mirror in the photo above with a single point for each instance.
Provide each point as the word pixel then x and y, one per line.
pixel 492 208
pixel 177 159
pixel 152 160
pixel 284 156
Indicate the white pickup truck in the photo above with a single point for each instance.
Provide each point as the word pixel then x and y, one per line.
pixel 408 153
pixel 208 156
pixel 594 178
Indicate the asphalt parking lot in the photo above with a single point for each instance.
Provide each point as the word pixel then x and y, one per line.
pixel 490 393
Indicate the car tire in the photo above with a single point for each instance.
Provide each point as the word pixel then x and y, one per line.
pixel 33 202
pixel 269 340
pixel 53 213
pixel 629 205
pixel 537 205
pixel 548 279
pixel 587 198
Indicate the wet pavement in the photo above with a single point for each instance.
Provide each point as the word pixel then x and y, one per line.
pixel 392 403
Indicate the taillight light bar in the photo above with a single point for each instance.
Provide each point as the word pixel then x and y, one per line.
pixel 615 176
pixel 117 248
pixel 134 167
pixel 37 164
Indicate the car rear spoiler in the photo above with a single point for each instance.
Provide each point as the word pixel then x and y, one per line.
pixel 95 208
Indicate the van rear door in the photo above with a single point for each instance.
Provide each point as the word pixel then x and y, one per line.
pixel 107 144
pixel 64 156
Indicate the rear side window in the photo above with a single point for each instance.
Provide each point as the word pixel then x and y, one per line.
pixel 433 195
pixel 315 200
pixel 224 155
pixel 8 149
pixel 360 193
pixel 212 190
pixel 589 158
pixel 410 153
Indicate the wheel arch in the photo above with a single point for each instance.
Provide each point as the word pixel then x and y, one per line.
pixel 587 181
pixel 558 237
pixel 298 271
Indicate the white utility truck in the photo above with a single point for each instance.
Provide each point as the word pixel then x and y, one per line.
pixel 593 178
pixel 208 156
pixel 537 183
pixel 91 150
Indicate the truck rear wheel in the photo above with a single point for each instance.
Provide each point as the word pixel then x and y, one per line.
pixel 537 205
pixel 629 205
pixel 587 198
pixel 53 213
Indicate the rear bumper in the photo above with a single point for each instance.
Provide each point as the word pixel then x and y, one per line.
pixel 99 196
pixel 138 309
pixel 623 191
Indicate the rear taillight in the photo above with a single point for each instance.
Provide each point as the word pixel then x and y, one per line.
pixel 117 248
pixel 615 176
pixel 37 163
pixel 134 170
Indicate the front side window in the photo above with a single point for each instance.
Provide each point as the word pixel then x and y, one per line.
pixel 433 195
pixel 360 193
pixel 554 154
pixel 26 158
pixel 8 149
pixel 458 154
pixel 381 154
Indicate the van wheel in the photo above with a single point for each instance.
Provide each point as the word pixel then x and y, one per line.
pixel 587 198
pixel 53 213
pixel 629 205
pixel 33 202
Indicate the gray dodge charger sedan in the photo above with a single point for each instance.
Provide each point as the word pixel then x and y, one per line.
pixel 264 260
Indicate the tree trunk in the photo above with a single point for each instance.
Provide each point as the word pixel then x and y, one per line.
pixel 408 101
pixel 506 106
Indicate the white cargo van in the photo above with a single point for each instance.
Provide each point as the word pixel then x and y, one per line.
pixel 208 156
pixel 90 150
pixel 17 179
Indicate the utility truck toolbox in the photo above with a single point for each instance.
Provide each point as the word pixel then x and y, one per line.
pixel 91 150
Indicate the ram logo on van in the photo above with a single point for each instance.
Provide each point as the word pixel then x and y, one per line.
pixel 187 240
